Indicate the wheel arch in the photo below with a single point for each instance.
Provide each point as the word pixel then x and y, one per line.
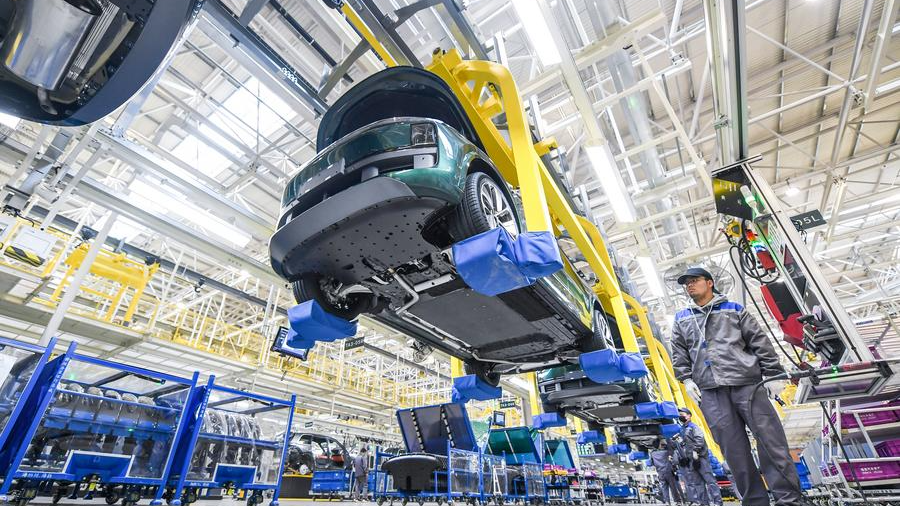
pixel 480 163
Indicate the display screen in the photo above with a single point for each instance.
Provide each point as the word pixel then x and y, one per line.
pixel 727 192
pixel 498 419
pixel 279 345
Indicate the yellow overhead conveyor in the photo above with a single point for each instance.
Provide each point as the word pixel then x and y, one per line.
pixel 486 90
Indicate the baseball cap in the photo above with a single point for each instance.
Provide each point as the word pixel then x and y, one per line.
pixel 684 410
pixel 697 272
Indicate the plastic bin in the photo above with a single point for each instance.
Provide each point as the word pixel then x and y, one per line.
pixel 889 448
pixel 871 471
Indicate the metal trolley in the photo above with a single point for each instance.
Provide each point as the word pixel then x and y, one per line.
pixel 442 463
pixel 522 463
pixel 560 473
pixel 236 441
pixel 94 427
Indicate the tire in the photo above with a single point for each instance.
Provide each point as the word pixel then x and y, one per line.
pixel 474 216
pixel 601 334
pixel 483 371
pixel 308 287
pixel 111 499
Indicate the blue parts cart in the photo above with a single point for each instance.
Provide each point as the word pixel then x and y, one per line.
pixel 236 441
pixel 96 427
pixel 442 463
pixel 559 471
pixel 523 466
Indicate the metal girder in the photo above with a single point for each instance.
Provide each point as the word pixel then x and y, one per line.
pixel 141 159
pixel 105 196
pixel 725 33
pixel 594 52
pixel 246 47
pixel 383 31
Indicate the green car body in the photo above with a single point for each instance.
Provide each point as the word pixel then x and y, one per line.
pixel 375 210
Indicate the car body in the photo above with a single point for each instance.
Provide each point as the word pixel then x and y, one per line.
pixel 367 227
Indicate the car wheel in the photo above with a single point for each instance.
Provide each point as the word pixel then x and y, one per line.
pixel 484 206
pixel 483 371
pixel 348 307
pixel 601 336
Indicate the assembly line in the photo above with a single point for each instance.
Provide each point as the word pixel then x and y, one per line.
pixel 537 252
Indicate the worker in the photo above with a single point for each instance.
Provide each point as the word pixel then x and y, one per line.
pixel 697 451
pixel 687 475
pixel 721 354
pixel 669 488
pixel 360 474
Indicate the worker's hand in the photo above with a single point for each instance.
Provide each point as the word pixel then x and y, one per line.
pixel 695 455
pixel 775 388
pixel 693 390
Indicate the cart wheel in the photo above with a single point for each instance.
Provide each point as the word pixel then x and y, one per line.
pixel 111 498
pixel 379 501
pixel 403 502
pixel 58 495
pixel 421 502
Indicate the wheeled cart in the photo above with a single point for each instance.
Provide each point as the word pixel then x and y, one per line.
pixel 442 463
pixel 523 463
pixel 92 427
pixel 236 441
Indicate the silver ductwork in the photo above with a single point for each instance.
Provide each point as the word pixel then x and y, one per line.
pixel 44 37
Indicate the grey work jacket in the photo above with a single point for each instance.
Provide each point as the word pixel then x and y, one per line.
pixel 721 344
pixel 693 440
pixel 662 463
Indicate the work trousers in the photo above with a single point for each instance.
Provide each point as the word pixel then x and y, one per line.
pixel 359 487
pixel 691 481
pixel 670 489
pixel 727 411
pixel 708 486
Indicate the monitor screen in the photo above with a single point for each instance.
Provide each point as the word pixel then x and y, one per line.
pixel 498 419
pixel 279 345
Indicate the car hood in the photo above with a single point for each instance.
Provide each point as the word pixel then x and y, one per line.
pixel 391 93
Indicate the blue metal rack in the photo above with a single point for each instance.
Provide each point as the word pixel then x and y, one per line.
pixel 93 426
pixel 236 441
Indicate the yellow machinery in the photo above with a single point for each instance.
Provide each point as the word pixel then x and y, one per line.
pixel 118 275
pixel 487 92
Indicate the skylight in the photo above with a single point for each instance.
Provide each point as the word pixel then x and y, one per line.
pixel 239 116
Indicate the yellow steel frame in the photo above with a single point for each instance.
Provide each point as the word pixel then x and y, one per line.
pixel 486 90
pixel 122 273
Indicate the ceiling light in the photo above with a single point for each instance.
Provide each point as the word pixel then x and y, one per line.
pixel 9 120
pixel 886 87
pixel 607 174
pixel 791 190
pixel 533 21
pixel 651 276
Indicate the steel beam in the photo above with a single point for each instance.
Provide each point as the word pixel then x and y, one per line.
pixel 141 159
pixel 263 62
pixel 725 33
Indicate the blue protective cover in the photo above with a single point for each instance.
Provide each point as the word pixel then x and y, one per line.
pixel 427 429
pixel 632 365
pixel 493 262
pixel 647 410
pixel 636 455
pixel 546 420
pixel 312 324
pixel 617 491
pixel 591 436
pixel 601 366
pixel 471 387
pixel 668 409
pixel 669 430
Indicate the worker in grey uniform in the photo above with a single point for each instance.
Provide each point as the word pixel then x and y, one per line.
pixel 697 451
pixel 669 488
pixel 720 354
pixel 686 473
pixel 360 474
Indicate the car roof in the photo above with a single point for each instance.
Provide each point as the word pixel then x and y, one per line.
pixel 394 92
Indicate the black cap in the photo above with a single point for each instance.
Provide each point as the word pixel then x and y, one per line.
pixel 697 272
pixel 684 410
pixel 694 272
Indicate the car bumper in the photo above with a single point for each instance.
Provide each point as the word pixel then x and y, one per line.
pixel 356 233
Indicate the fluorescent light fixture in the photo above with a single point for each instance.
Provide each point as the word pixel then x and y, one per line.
pixel 533 21
pixel 791 190
pixel 886 87
pixel 9 120
pixel 607 174
pixel 651 276
pixel 151 197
